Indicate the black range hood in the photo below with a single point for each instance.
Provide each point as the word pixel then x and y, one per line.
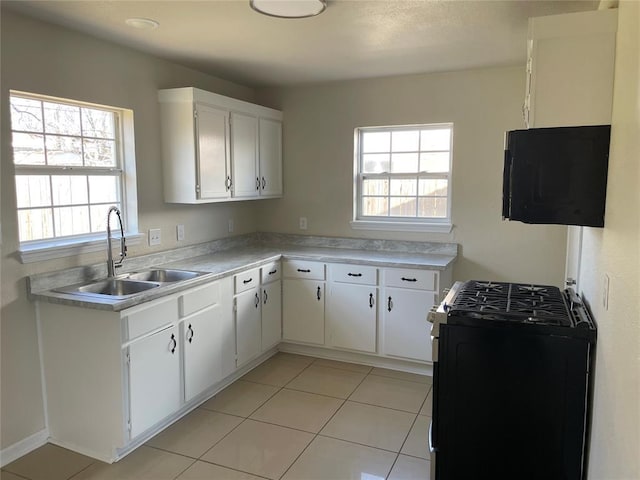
pixel 556 175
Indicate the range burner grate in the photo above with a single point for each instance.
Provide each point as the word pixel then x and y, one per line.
pixel 515 302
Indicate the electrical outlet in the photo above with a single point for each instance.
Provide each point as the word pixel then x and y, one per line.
pixel 154 236
pixel 231 225
pixel 605 292
pixel 180 232
pixel 303 223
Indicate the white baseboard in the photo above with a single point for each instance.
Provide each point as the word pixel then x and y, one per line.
pixel 24 446
pixel 373 360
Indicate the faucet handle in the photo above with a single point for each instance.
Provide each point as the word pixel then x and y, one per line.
pixel 123 247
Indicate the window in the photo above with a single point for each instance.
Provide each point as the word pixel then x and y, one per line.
pixel 69 161
pixel 403 177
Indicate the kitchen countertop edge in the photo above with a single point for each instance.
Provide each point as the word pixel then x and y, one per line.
pixel 235 260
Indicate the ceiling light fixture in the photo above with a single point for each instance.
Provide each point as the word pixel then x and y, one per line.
pixel 142 23
pixel 289 8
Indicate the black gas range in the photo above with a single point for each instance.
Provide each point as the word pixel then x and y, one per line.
pixel 512 382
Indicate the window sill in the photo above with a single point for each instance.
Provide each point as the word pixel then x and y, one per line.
pixel 402 226
pixel 69 248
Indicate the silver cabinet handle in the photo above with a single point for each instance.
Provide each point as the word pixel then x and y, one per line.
pixel 389 304
pixel 257 300
pixel 318 293
pixel 371 300
pixel 174 344
pixel 264 294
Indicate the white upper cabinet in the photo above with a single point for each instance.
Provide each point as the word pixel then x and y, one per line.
pixel 570 69
pixel 216 148
pixel 244 155
pixel 270 152
pixel 212 158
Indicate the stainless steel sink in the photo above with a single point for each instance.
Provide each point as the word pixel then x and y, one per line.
pixel 112 288
pixel 129 284
pixel 164 275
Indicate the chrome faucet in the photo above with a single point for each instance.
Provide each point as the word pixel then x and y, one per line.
pixel 111 265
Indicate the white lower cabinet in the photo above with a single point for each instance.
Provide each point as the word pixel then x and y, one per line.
pixel 206 336
pixel 248 326
pixel 352 308
pixel 405 331
pixel 303 311
pixel 258 311
pixel 202 336
pixel 271 315
pixel 352 317
pixel 112 377
pixel 154 379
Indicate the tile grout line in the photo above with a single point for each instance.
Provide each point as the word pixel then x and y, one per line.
pixel 324 435
pixel 78 473
pixel 19 475
pixel 190 465
pixel 316 435
pixel 233 469
pixel 280 388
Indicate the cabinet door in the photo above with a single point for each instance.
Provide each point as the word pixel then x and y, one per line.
pixel 271 315
pixel 248 326
pixel 154 379
pixel 303 312
pixel 405 331
pixel 244 134
pixel 270 152
pixel 351 316
pixel 202 337
pixel 213 152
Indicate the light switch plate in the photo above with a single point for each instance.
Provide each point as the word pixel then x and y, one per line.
pixel 303 223
pixel 180 232
pixel 154 237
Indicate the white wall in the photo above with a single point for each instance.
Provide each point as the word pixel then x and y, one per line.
pixel 482 104
pixel 42 58
pixel 615 251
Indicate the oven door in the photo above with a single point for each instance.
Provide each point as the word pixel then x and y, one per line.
pixel 433 425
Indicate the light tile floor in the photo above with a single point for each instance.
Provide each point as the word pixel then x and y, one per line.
pixel 293 417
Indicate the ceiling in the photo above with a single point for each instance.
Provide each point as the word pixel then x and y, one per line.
pixel 351 39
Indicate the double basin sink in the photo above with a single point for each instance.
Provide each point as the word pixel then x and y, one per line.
pixel 128 284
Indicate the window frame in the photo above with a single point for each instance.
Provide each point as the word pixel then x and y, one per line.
pixel 396 223
pixel 69 245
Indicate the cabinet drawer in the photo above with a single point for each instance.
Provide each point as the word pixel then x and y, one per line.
pixel 141 320
pixel 247 280
pixel 354 274
pixel 199 298
pixel 270 272
pixel 410 278
pixel 304 269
